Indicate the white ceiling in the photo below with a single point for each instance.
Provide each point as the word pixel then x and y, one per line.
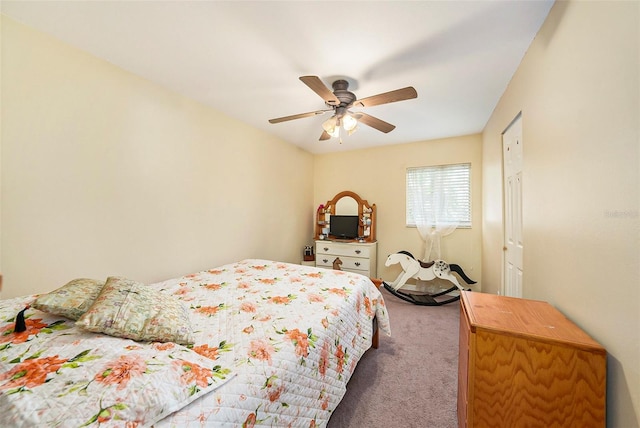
pixel 244 58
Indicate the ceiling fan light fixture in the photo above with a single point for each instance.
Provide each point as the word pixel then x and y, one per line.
pixel 331 126
pixel 349 123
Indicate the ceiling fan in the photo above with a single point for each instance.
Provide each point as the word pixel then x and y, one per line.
pixel 340 100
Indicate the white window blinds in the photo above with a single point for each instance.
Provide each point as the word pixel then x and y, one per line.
pixel 439 193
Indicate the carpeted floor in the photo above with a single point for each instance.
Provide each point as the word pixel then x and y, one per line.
pixel 411 379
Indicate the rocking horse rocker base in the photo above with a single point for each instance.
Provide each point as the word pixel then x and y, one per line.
pixel 424 299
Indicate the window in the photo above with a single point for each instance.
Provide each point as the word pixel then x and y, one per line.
pixel 439 193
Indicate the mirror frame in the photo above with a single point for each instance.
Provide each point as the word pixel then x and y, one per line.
pixel 364 210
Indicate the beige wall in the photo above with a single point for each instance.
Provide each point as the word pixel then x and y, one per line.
pixel 105 173
pixel 578 90
pixel 379 176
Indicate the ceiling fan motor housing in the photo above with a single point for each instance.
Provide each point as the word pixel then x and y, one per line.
pixel 340 90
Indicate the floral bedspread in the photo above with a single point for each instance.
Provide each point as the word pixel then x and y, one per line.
pixel 292 333
pixel 275 345
pixel 56 375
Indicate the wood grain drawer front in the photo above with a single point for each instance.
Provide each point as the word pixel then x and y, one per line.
pixel 338 249
pixel 525 383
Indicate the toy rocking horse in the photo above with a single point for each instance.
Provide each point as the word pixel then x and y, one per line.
pixel 425 271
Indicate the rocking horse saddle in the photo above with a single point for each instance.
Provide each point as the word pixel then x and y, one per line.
pixel 426 265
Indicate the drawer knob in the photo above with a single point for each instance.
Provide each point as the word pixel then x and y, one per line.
pixel 326 249
pixel 325 260
pixel 358 251
pixel 357 264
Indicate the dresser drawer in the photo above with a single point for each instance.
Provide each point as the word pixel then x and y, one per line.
pixel 339 249
pixel 348 263
pixel 355 256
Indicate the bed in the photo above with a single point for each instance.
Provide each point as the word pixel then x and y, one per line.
pixel 252 343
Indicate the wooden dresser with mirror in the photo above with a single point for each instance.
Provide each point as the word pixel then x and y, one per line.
pixel 357 254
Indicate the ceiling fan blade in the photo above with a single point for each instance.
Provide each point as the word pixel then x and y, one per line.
pixel 374 122
pixel 298 116
pixel 324 136
pixel 388 97
pixel 321 89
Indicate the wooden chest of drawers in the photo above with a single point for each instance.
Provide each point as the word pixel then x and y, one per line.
pixel 523 364
pixel 355 256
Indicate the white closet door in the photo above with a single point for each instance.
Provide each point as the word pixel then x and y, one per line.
pixel 513 245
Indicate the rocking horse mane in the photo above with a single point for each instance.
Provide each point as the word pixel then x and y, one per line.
pixel 406 253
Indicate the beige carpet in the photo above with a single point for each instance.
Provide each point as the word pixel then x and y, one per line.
pixel 411 379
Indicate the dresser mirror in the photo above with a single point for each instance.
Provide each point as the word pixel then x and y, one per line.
pixel 348 203
pixel 346 206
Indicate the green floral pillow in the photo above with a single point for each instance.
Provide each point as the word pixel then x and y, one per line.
pixel 72 299
pixel 132 310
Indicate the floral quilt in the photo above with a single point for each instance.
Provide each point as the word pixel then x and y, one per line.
pixel 54 374
pixel 275 345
